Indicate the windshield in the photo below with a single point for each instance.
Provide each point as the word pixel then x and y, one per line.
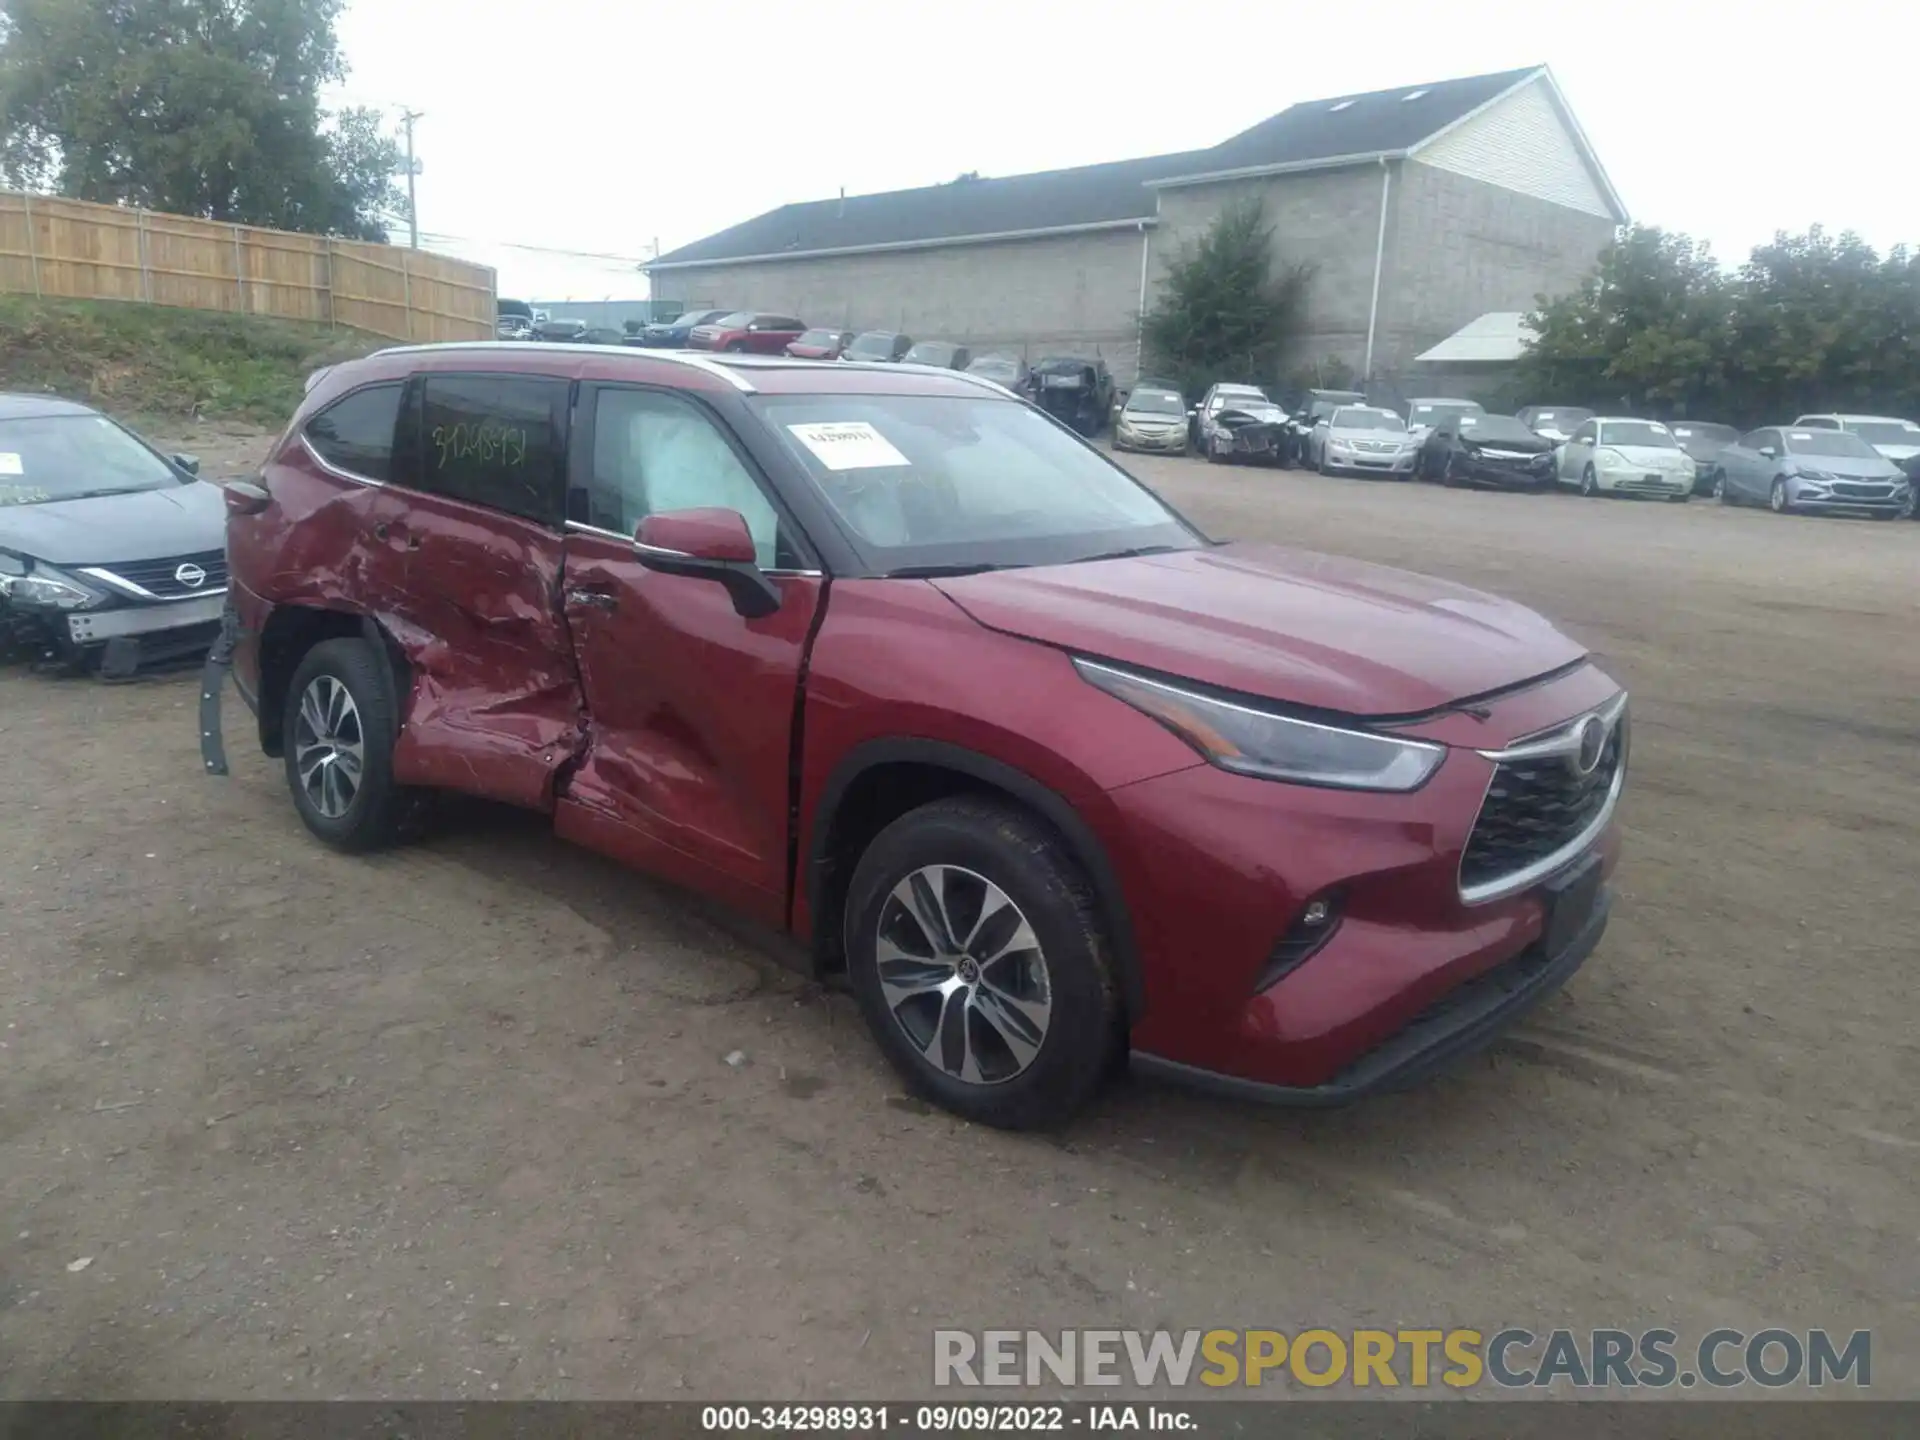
pixel 1830 442
pixel 1353 417
pixel 1155 402
pixel 1647 434
pixel 816 337
pixel 874 342
pixel 1562 418
pixel 920 480
pixel 738 320
pixel 68 457
pixel 1239 397
pixel 1886 432
pixel 931 352
pixel 1498 429
pixel 1432 412
pixel 1001 368
pixel 1703 441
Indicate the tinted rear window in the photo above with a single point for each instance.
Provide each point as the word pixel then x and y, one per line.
pixel 495 440
pixel 355 433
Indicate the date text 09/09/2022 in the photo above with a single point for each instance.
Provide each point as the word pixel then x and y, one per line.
pixel 937 1419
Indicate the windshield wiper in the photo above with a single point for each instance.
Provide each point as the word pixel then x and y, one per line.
pixel 1136 550
pixel 938 572
pixel 102 494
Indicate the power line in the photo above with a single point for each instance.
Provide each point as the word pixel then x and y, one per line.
pixel 439 236
pixel 407 117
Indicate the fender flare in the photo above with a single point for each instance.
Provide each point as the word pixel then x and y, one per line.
pixel 1043 800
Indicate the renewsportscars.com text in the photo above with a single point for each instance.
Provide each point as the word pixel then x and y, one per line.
pixel 1413 1358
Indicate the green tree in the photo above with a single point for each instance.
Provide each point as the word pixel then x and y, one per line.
pixel 1648 331
pixel 1226 310
pixel 197 107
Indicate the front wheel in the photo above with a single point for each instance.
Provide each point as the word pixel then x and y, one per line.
pixel 981 965
pixel 1778 499
pixel 1717 487
pixel 1589 483
pixel 338 744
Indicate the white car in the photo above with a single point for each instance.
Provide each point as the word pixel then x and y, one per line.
pixel 1617 455
pixel 1362 440
pixel 1897 439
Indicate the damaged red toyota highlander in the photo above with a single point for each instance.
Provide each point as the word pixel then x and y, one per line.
pixel 892 662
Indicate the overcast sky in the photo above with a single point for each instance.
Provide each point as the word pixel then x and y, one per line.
pixel 602 125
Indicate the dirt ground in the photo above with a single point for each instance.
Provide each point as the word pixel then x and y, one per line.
pixel 456 1121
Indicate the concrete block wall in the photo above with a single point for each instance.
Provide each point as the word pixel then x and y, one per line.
pixel 1328 219
pixel 1458 248
pixel 1061 294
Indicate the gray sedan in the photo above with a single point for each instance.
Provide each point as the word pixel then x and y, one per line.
pixel 1792 470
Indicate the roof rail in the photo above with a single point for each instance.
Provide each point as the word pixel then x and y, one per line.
pixel 678 357
pixel 890 366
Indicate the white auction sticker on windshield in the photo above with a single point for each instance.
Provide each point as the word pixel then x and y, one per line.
pixel 848 445
pixel 10 463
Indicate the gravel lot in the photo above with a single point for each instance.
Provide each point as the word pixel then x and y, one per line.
pixel 456 1121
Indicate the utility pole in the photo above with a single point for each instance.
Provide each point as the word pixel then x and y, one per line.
pixel 407 117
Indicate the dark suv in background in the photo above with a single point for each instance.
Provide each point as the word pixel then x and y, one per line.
pixel 892 662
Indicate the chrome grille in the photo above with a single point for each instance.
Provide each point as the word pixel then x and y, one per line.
pixel 160 578
pixel 1538 805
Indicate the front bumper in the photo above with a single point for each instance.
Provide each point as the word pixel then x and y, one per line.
pixel 1645 482
pixel 1218 869
pixel 1173 441
pixel 1895 503
pixel 1359 463
pixel 121 639
pixel 1501 475
pixel 1465 1020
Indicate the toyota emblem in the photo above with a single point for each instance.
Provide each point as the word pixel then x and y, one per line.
pixel 193 577
pixel 1592 736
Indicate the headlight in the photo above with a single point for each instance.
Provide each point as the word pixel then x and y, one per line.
pixel 1611 460
pixel 48 587
pixel 1345 445
pixel 1818 477
pixel 1272 746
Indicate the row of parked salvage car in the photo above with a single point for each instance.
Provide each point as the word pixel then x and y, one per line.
pixel 1857 464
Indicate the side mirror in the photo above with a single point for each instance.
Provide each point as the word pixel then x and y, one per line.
pixel 1770 452
pixel 244 497
pixel 708 544
pixel 188 463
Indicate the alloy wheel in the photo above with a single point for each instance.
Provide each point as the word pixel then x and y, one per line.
pixel 1781 504
pixel 963 975
pixel 1589 483
pixel 330 747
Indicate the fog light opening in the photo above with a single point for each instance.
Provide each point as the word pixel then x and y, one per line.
pixel 1318 921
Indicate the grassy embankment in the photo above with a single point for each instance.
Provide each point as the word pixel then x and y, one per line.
pixel 154 363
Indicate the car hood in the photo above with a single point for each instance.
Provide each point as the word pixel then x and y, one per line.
pixel 147 525
pixel 1319 631
pixel 1654 457
pixel 1898 453
pixel 1349 436
pixel 1535 444
pixel 1851 467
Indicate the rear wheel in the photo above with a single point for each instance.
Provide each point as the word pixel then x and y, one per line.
pixel 980 963
pixel 337 739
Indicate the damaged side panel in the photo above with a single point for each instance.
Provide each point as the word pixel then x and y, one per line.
pixel 489 700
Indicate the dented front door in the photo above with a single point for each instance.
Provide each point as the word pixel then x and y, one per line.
pixel 470 532
pixel 688 766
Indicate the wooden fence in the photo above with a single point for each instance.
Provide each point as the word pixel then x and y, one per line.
pixel 81 251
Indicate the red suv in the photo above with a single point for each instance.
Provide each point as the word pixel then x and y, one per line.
pixel 893 662
pixel 748 331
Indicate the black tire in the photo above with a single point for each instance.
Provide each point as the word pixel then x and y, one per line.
pixel 1028 862
pixel 737 347
pixel 1447 477
pixel 1717 488
pixel 1778 500
pixel 1680 499
pixel 1321 466
pixel 1589 483
pixel 1214 457
pixel 379 810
